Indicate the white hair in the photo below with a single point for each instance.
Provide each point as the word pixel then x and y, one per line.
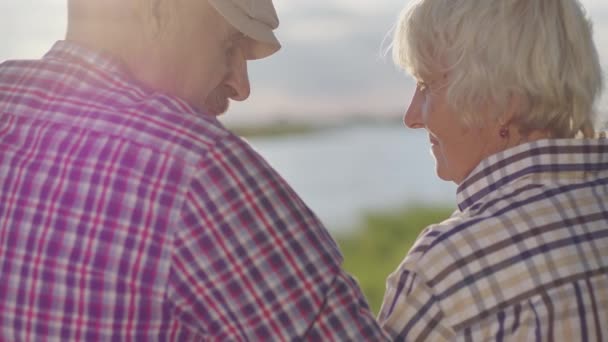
pixel 538 51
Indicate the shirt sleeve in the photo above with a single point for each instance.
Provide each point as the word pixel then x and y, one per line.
pixel 410 310
pixel 252 262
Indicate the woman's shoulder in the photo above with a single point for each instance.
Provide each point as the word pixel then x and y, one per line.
pixel 434 247
pixel 462 241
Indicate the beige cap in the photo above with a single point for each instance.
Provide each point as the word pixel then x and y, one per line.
pixel 254 18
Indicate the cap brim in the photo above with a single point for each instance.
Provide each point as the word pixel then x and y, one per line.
pixel 263 41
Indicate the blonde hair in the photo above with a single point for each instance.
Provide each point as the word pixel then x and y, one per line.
pixel 538 51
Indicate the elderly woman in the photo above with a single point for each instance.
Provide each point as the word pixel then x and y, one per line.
pixel 505 91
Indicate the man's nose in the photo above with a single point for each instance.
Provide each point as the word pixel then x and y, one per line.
pixel 413 115
pixel 238 78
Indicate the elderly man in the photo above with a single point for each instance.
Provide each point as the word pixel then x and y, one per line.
pixel 128 212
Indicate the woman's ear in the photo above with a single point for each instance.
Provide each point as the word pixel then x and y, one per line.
pixel 514 109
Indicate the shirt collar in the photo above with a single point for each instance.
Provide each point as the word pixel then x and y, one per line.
pixel 73 52
pixel 541 156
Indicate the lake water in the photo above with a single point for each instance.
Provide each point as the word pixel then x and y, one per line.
pixel 343 173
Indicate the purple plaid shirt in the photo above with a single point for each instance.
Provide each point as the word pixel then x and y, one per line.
pixel 125 214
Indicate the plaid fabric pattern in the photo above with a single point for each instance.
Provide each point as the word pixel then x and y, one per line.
pixel 524 258
pixel 127 215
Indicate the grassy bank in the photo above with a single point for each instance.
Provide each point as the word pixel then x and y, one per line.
pixel 372 253
pixel 278 129
pixel 291 127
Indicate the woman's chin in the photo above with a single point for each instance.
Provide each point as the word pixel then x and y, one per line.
pixel 443 176
pixel 442 172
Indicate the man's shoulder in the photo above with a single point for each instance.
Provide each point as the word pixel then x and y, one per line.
pixel 74 95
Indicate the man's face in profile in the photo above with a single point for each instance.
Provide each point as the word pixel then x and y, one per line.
pixel 206 58
pixel 235 84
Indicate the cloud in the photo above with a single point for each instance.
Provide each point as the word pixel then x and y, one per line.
pixel 353 7
pixel 331 62
pixel 29 27
pixel 287 105
pixel 317 29
pixel 333 51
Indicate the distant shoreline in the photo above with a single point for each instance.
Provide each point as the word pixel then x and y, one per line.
pixel 288 127
pixel 285 128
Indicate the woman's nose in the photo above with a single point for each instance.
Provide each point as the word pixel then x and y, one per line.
pixel 413 115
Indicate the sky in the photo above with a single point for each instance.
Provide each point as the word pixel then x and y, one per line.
pixel 333 63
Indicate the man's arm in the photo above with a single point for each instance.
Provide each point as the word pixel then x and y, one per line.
pixel 253 262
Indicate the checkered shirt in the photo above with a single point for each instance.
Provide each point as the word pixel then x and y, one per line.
pixel 126 215
pixel 524 258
